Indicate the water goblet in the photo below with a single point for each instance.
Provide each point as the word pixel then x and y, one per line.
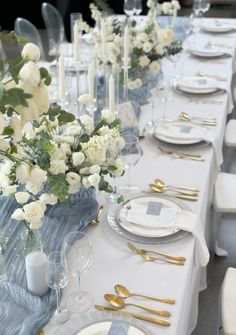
pixel 78 253
pixel 129 7
pixel 130 155
pixel 164 95
pixel 57 278
pixel 138 7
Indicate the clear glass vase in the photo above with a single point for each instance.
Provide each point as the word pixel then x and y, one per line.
pixel 31 241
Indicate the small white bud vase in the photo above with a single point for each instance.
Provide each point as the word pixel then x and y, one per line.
pixel 36 266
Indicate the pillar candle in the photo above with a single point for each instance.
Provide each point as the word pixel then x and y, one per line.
pixel 76 40
pixel 61 79
pixel 36 267
pixel 91 70
pixel 112 94
pixel 126 45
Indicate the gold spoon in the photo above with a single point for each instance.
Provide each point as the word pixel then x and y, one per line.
pixel 149 258
pixel 161 189
pixel 165 323
pixel 160 182
pixel 140 251
pixel 180 196
pixel 123 292
pixel 118 302
pixel 186 117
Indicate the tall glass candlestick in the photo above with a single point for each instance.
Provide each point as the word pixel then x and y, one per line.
pixel 112 94
pixel 126 45
pixel 61 76
pixel 76 44
pixel 126 67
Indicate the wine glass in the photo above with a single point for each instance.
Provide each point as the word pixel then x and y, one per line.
pixel 131 154
pixel 129 7
pixel 164 94
pixel 78 253
pixel 57 278
pixel 138 7
pixel 152 97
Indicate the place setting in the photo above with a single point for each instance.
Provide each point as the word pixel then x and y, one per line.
pixel 218 26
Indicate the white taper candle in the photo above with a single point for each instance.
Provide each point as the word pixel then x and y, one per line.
pixel 76 40
pixel 112 94
pixel 61 78
pixel 126 45
pixel 103 37
pixel 91 72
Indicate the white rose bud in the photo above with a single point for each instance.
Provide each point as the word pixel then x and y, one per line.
pixel 22 197
pixel 30 74
pixel 23 173
pixel 94 179
pixel 84 99
pixel 31 51
pixel 18 214
pixel 108 115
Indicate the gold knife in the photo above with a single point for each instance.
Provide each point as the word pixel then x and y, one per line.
pixel 186 197
pixel 160 322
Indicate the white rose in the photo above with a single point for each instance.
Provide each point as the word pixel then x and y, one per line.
pixel 138 44
pixel 107 115
pixel 64 139
pixel 65 147
pixel 165 36
pixel 166 8
pixel 33 187
pixel 73 178
pixel 84 99
pixel 144 61
pixel 86 182
pixel 87 123
pixel 22 197
pixel 38 175
pixel 159 49
pixel 48 198
pixel 77 158
pixel 29 74
pixel 17 128
pixel 2 123
pixel 10 189
pixel 119 167
pixel 94 169
pixel 94 179
pixel 155 68
pixel 131 84
pixel 18 214
pixel 175 4
pixel 147 47
pixel 96 154
pixel 74 188
pixel 34 211
pixel 143 37
pixel 23 173
pixel 36 224
pixel 138 83
pixel 58 154
pixel 105 130
pixel 4 145
pixel 58 166
pixel 74 129
pixel 31 52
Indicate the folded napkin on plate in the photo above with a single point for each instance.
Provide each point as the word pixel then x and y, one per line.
pixel 185 131
pixel 183 220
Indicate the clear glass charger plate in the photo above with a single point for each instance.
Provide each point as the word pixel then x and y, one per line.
pixel 164 236
pixel 98 323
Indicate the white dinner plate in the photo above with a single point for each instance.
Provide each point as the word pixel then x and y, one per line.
pixel 171 132
pixel 102 328
pixel 207 52
pixel 197 85
pixel 217 27
pixel 141 230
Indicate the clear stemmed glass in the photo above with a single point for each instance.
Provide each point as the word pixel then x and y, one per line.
pixel 129 7
pixel 131 154
pixel 138 7
pixel 77 250
pixel 164 94
pixel 57 278
pixel 152 97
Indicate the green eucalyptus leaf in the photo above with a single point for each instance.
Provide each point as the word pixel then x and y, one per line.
pixel 45 75
pixel 65 117
pixel 59 186
pixel 8 131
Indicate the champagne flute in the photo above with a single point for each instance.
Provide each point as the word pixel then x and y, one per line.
pixel 57 278
pixel 78 253
pixel 131 154
pixel 164 94
pixel 138 7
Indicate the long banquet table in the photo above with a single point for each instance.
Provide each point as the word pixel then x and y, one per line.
pixel 114 263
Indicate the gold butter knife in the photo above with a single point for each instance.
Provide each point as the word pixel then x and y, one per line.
pixel 186 197
pixel 160 322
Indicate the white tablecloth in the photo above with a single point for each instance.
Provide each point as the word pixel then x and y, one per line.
pixel 114 263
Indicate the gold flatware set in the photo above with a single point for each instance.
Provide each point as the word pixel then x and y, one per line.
pixel 117 302
pixel 211 121
pixel 96 219
pixel 181 192
pixel 181 154
pixel 214 76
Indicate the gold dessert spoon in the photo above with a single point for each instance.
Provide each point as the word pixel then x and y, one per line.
pixel 160 182
pixel 123 292
pixel 160 189
pixel 140 251
pixel 118 302
pixel 160 322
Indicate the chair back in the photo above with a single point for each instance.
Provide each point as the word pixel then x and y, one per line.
pixel 25 28
pixel 55 28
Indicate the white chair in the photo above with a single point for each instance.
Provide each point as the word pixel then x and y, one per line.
pixel 228 303
pixel 55 28
pixel 224 202
pixel 25 28
pixel 229 143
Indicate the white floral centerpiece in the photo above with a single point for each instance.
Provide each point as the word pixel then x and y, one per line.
pixel 46 154
pixel 149 44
